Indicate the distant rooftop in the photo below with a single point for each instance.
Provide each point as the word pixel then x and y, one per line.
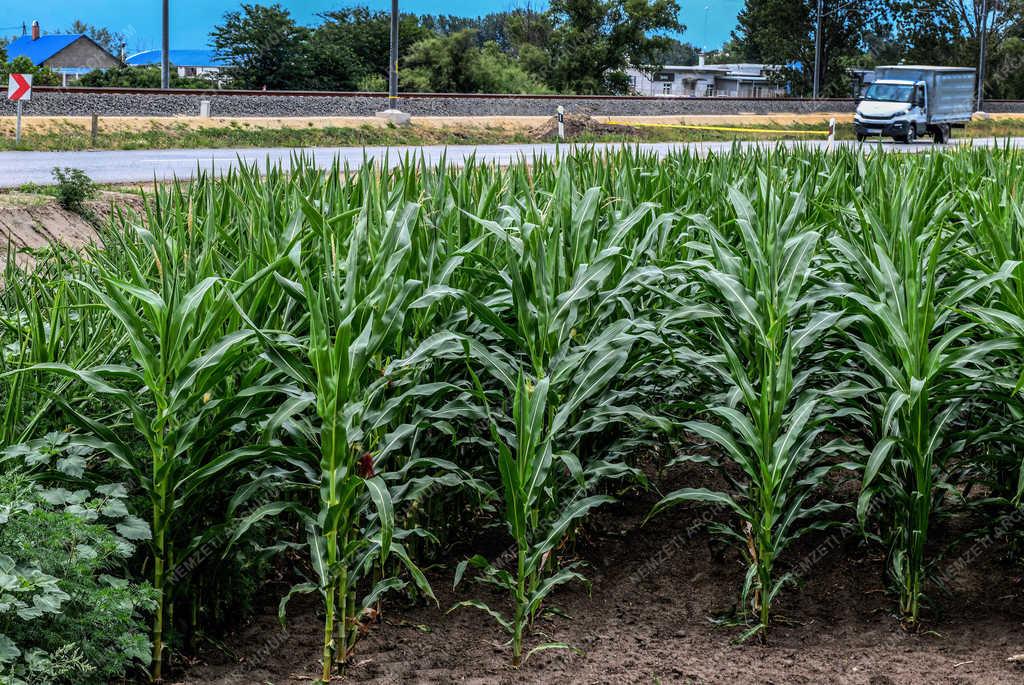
pixel 928 68
pixel 180 58
pixel 41 49
pixel 743 68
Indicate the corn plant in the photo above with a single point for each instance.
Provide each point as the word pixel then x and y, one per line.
pixel 550 338
pixel 46 317
pixel 187 382
pixel 355 283
pixel 917 363
pixel 379 356
pixel 995 246
pixel 766 315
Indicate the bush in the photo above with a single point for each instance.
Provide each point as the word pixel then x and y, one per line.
pixel 74 187
pixel 41 76
pixel 63 619
pixel 140 77
pixel 372 83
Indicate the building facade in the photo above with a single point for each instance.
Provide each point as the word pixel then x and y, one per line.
pixel 707 80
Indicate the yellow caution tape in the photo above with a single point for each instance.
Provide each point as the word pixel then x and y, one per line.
pixel 721 128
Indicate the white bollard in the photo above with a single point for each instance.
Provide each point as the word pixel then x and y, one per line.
pixel 204 109
pixel 561 122
pixel 831 131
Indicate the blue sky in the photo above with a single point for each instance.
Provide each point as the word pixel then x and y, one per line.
pixel 191 20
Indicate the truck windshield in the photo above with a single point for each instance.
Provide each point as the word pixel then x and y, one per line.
pixel 888 92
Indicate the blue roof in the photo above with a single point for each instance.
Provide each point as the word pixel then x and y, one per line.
pixel 179 58
pixel 41 49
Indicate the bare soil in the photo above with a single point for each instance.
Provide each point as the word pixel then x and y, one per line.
pixel 512 124
pixel 30 221
pixel 578 125
pixel 649 619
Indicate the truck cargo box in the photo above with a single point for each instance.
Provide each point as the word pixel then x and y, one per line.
pixel 951 90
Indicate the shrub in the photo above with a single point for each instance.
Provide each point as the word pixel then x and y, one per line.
pixel 74 187
pixel 63 618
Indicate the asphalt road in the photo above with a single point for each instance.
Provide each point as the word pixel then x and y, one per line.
pixel 18 168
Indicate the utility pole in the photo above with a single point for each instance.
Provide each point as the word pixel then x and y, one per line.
pixel 165 55
pixel 392 113
pixel 393 65
pixel 817 51
pixel 704 47
pixel 983 45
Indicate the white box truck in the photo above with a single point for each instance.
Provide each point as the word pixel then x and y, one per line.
pixel 905 102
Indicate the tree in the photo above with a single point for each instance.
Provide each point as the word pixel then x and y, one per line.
pixel 679 53
pixel 111 41
pixel 1005 79
pixel 353 44
pixel 41 76
pixel 457 64
pixel 947 32
pixel 508 29
pixel 264 48
pixel 781 32
pixel 593 41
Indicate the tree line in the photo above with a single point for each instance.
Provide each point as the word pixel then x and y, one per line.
pixel 867 33
pixel 585 46
pixel 574 46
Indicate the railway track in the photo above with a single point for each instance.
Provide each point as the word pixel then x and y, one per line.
pixel 442 96
pixel 150 102
pixel 414 96
pixel 446 96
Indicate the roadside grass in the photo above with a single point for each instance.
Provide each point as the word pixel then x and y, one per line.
pixel 163 136
pixel 180 136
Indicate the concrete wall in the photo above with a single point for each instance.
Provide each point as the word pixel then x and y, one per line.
pixel 68 102
pixel 1004 106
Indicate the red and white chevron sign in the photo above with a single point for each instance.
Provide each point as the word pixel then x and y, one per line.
pixel 19 87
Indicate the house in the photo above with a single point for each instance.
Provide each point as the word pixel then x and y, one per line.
pixel 707 80
pixel 188 62
pixel 69 55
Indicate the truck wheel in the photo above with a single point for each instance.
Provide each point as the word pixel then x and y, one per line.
pixel 940 134
pixel 861 137
pixel 911 136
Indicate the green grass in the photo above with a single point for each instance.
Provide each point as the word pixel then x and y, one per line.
pixel 72 138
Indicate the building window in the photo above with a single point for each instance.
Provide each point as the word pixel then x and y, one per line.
pixel 666 88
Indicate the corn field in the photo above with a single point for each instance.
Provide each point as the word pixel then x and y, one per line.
pixel 350 373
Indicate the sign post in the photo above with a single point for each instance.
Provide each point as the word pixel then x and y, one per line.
pixel 19 90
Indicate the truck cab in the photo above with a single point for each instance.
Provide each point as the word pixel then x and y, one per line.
pixel 905 102
pixel 894 109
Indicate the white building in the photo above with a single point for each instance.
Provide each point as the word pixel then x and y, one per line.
pixel 187 63
pixel 707 80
